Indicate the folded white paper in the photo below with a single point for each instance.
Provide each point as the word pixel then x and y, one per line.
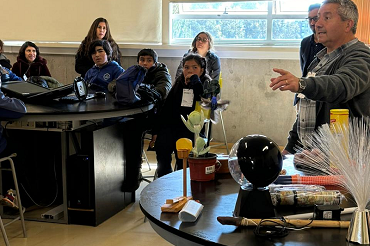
pixel 190 212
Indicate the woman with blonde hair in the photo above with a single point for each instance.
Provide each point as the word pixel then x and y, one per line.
pixel 99 30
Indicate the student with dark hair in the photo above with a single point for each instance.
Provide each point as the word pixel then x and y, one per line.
pixel 105 69
pixel 157 73
pixel 4 61
pixel 158 80
pixel 169 125
pixel 29 62
pixel 99 30
pixel 203 45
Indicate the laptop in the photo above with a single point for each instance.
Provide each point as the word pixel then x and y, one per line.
pixel 30 92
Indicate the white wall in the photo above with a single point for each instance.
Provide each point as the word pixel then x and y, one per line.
pixel 70 20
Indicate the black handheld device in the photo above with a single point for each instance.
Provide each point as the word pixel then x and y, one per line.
pixel 80 88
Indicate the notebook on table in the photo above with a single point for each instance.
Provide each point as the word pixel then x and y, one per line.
pixel 30 92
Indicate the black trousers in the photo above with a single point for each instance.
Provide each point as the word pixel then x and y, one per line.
pixel 165 145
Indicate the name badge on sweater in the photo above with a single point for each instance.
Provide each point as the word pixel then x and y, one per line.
pixel 187 98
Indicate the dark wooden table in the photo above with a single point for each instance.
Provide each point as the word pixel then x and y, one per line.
pixel 95 108
pixel 88 171
pixel 219 198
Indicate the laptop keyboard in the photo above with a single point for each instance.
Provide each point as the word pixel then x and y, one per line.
pixel 69 99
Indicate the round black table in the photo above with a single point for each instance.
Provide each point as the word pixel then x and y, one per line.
pixel 84 145
pixel 219 198
pixel 94 108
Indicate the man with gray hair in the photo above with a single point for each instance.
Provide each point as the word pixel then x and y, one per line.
pixel 338 78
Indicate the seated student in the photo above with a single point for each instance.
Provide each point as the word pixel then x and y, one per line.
pixel 105 70
pixel 99 30
pixel 157 74
pixel 169 126
pixel 10 108
pixel 7 75
pixel 29 62
pixel 159 80
pixel 203 45
pixel 4 61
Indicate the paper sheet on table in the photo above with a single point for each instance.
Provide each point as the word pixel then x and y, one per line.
pixel 191 211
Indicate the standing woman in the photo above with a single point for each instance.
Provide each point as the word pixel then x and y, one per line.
pixel 99 30
pixel 29 62
pixel 203 45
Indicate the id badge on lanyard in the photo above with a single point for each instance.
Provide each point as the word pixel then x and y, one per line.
pixel 187 98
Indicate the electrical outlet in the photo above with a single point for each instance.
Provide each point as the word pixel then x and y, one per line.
pixel 28 124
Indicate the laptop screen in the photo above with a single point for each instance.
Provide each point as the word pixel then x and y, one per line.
pixel 32 92
pixel 22 88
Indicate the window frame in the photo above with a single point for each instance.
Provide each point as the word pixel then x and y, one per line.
pixel 270 16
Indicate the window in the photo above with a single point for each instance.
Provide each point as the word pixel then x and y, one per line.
pixel 278 22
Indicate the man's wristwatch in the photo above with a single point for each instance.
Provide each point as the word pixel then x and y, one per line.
pixel 302 85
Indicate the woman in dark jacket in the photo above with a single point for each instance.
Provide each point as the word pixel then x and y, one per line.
pixel 203 45
pixel 29 62
pixel 99 30
pixel 181 100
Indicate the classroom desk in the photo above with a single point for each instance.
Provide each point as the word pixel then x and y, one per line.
pixel 219 198
pixel 66 150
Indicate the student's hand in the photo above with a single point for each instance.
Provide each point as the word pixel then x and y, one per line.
pixel 192 79
pixel 285 82
pixel 187 79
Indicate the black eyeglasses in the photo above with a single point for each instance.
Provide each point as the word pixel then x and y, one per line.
pixel 316 18
pixel 202 39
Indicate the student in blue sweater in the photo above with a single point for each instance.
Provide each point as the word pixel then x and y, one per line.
pixel 105 69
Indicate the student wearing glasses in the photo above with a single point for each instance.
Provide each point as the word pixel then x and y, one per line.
pixel 203 45
pixel 310 45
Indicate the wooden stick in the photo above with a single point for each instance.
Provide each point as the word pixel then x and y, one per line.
pixel 175 205
pixel 183 154
pixel 239 221
pixel 184 186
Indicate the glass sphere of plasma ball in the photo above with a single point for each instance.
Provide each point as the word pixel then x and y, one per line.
pixel 255 160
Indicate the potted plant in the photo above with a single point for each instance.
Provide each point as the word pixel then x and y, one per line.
pixel 202 164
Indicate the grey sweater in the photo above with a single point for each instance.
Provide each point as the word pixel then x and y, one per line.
pixel 345 85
